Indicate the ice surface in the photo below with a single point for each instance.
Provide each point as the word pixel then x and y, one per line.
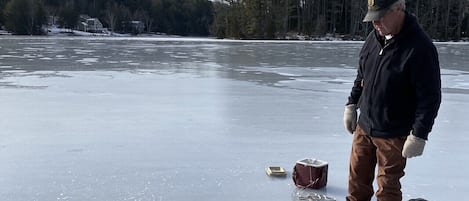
pixel 196 119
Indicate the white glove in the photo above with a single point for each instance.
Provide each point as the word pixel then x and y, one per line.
pixel 413 146
pixel 350 117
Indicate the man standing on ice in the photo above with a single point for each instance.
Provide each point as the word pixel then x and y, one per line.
pixel 398 93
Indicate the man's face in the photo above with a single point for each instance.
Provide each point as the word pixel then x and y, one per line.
pixel 388 24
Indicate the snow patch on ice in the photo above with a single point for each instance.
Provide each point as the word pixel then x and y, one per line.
pixel 88 60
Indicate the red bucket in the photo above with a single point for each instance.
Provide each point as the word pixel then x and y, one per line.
pixel 310 173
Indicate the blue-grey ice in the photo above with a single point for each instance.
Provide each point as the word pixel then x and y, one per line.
pixel 116 119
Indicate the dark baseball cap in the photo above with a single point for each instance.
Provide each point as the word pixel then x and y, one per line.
pixel 377 8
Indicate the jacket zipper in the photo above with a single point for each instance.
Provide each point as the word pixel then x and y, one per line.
pixel 382 49
pixel 373 83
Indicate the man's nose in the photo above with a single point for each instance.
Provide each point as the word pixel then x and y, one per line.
pixel 376 22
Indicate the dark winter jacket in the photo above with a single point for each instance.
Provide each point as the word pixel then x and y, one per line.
pixel 398 86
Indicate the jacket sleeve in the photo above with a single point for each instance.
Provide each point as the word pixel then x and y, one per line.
pixel 357 84
pixel 426 80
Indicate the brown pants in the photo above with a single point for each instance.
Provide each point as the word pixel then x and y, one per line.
pixel 366 153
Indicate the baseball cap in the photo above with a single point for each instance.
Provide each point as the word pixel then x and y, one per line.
pixel 377 8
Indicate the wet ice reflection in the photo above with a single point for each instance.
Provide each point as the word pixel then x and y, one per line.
pixel 140 119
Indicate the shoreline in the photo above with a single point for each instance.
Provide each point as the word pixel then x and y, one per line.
pixel 65 34
pixel 170 38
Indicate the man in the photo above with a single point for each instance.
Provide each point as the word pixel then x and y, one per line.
pixel 398 92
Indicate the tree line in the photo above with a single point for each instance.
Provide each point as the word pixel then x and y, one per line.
pixel 442 19
pixel 178 17
pixel 242 19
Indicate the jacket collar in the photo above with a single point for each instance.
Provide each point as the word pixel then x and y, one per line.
pixel 409 27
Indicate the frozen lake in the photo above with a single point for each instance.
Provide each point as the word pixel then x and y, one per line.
pixel 117 119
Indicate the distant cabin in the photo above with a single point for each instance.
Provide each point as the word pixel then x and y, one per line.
pixel 89 24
